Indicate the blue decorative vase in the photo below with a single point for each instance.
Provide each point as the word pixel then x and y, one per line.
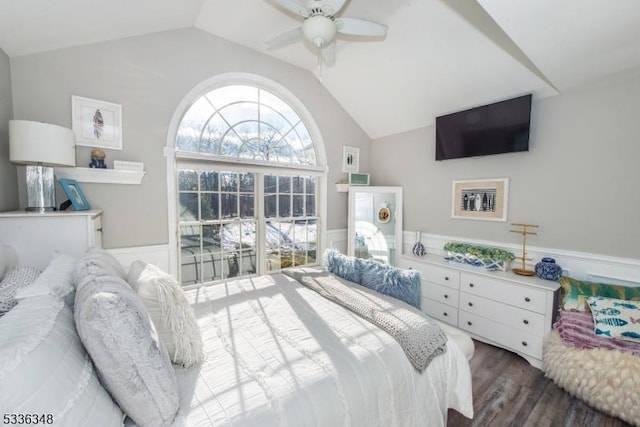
pixel 548 269
pixel 418 249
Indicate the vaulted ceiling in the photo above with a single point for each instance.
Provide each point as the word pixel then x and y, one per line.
pixel 438 56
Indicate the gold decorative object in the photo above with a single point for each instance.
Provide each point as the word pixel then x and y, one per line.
pixel 524 230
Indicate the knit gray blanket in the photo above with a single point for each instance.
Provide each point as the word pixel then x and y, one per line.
pixel 419 336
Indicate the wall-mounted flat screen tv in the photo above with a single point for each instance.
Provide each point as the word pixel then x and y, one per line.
pixel 502 127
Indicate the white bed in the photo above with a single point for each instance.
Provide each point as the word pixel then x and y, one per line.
pixel 279 354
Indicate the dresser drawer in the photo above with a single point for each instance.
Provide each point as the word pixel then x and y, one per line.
pixel 440 293
pixel 515 317
pixel 507 292
pixel 441 276
pixel 517 340
pixel 440 311
pixel 433 273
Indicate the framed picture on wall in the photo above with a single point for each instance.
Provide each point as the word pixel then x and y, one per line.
pixel 96 123
pixel 480 199
pixel 350 159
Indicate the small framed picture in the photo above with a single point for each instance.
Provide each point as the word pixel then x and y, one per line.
pixel 75 194
pixel 480 199
pixel 96 123
pixel 350 159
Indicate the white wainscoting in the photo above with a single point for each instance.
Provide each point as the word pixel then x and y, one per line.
pixel 579 265
pixel 157 255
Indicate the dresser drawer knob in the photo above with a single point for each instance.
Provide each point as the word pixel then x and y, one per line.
pixel 446 277
pixel 469 323
pixel 446 296
pixel 471 285
pixel 525 321
pixel 527 299
pixel 470 304
pixel 445 313
pixel 524 343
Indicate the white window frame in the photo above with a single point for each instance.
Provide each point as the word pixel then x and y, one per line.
pixel 172 156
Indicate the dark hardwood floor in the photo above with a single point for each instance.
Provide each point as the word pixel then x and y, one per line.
pixel 507 391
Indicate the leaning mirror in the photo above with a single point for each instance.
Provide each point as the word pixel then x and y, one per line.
pixel 375 223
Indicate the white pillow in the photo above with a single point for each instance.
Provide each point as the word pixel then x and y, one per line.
pixel 15 279
pixel 45 370
pixel 97 262
pixel 115 328
pixel 170 312
pixel 56 279
pixel 8 259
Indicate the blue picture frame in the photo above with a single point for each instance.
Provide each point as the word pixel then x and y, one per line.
pixel 74 193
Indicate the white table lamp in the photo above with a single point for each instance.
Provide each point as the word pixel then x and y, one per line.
pixel 41 146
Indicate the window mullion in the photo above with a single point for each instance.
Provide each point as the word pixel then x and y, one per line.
pixel 261 226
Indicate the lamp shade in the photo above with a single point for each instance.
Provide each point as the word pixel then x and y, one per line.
pixel 41 143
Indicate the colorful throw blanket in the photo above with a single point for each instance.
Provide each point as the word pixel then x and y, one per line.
pixel 419 336
pixel 576 328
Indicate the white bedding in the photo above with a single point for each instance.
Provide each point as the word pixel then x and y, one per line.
pixel 280 354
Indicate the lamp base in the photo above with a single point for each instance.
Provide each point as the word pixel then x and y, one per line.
pixel 39 210
pixel 41 192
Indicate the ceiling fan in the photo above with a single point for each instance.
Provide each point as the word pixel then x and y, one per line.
pixel 321 25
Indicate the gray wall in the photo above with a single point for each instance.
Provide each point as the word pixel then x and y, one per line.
pixel 8 174
pixel 579 181
pixel 149 75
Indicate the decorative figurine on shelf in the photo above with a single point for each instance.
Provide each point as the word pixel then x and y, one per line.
pixel 97 159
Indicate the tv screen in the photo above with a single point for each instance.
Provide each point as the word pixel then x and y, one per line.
pixel 502 127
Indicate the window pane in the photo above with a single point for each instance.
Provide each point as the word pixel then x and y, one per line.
pixel 270 184
pixel 298 184
pixel 209 209
pixel 190 269
pixel 188 209
pixel 229 181
pixel 247 206
pixel 247 182
pixel 298 205
pixel 284 206
pixel 311 205
pixel 209 181
pixel 228 205
pixel 248 262
pixel 284 184
pixel 311 184
pixel 190 239
pixel 270 206
pixel 212 134
pixel 211 238
pixel 187 180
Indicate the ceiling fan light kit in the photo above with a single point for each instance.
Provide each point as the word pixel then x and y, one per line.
pixel 321 27
pixel 319 30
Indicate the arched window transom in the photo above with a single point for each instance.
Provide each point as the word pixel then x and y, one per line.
pixel 246 123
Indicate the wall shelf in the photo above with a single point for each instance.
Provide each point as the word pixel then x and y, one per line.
pixel 101 176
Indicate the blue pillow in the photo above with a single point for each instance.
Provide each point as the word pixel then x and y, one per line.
pixel 404 285
pixel 349 268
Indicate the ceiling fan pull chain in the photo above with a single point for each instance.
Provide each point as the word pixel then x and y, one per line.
pixel 320 64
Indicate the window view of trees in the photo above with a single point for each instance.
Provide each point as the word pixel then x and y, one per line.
pixel 220 225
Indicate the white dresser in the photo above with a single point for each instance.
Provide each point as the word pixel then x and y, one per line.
pixel 37 236
pixel 500 308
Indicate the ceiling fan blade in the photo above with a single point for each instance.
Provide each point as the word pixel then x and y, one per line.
pixel 334 5
pixel 360 27
pixel 296 6
pixel 283 39
pixel 329 54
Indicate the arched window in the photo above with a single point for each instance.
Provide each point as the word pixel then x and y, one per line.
pixel 248 182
